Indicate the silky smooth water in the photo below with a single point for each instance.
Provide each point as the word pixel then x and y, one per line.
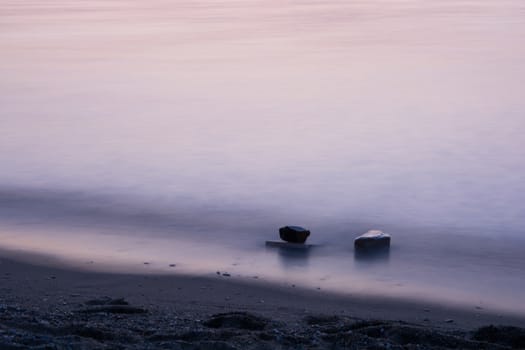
pixel 189 131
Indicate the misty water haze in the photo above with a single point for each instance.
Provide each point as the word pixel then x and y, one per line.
pixel 213 123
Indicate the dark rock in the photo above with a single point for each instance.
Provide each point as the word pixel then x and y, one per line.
pixel 367 323
pixel 215 345
pixel 90 332
pixel 425 338
pixel 240 320
pixel 372 239
pixel 503 335
pixel 107 301
pixel 266 336
pixel 115 309
pixel 321 319
pixel 294 234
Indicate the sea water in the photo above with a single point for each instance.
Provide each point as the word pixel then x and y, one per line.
pixel 188 132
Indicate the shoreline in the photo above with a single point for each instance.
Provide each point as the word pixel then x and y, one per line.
pixel 48 291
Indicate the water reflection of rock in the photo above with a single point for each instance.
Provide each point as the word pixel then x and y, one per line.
pixel 293 258
pixel 364 257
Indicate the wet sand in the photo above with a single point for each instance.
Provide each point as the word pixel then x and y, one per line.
pixel 58 306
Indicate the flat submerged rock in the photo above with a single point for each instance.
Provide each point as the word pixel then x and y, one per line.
pixel 288 245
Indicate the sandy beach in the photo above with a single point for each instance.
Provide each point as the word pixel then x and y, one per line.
pixel 50 307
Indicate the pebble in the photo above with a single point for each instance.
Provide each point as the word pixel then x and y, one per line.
pixel 226 274
pixel 449 320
